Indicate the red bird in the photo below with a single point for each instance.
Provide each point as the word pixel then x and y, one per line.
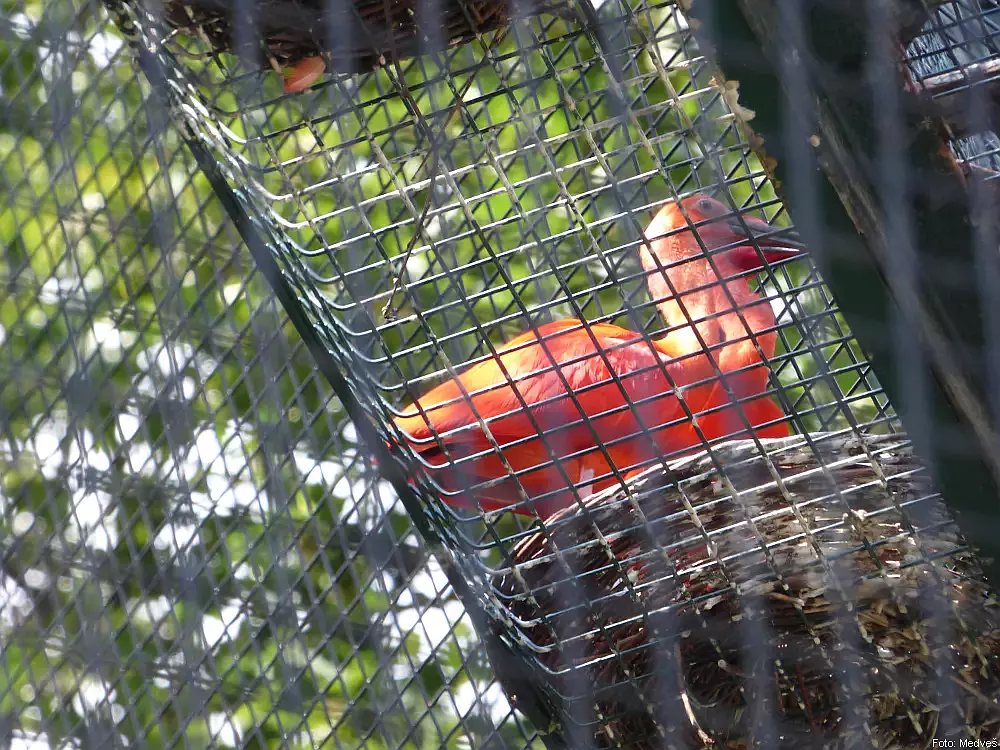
pixel 608 400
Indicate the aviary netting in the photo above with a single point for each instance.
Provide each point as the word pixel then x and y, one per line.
pixel 416 213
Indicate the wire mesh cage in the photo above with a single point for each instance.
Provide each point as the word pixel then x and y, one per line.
pixel 193 548
pixel 547 272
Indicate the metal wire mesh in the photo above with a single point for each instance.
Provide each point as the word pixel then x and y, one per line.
pixel 557 249
pixel 955 53
pixel 192 550
pixel 197 548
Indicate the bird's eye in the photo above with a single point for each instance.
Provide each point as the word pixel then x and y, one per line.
pixel 706 206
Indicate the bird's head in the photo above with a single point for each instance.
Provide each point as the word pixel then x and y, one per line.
pixel 677 265
pixel 671 239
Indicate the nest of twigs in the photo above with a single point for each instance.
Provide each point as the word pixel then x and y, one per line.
pixel 841 610
pixel 351 35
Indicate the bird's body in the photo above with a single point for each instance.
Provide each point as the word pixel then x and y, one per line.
pixel 607 400
pixel 598 370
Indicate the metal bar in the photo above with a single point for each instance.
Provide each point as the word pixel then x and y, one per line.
pixel 836 131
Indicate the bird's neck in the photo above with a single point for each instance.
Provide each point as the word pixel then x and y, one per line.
pixel 703 311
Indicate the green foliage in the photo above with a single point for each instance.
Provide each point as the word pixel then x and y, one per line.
pixel 193 549
pixel 190 550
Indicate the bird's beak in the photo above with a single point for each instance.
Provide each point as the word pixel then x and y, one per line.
pixel 776 244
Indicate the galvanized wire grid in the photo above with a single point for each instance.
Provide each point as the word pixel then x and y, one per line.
pixel 192 550
pixel 956 58
pixel 533 214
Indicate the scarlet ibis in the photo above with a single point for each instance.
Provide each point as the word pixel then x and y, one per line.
pixel 608 400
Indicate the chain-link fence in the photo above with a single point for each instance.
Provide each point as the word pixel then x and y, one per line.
pixel 198 550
